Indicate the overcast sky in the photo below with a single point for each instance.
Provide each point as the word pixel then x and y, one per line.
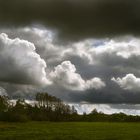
pixel 78 50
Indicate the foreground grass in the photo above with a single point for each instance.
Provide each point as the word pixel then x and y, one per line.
pixel 69 131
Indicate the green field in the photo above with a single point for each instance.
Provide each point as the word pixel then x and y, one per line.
pixel 69 131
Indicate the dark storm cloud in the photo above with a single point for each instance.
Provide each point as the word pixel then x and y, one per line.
pixel 75 19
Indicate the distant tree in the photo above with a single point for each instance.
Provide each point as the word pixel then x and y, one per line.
pixel 4 103
pixel 19 111
pixel 73 110
pixel 84 113
pixel 51 108
pixel 94 111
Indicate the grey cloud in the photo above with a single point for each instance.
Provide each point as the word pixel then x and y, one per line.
pixel 20 63
pixel 105 58
pixel 75 20
pixel 3 92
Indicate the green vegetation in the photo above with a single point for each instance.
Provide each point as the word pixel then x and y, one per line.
pixel 69 131
pixel 50 108
pixel 50 119
pixel 46 108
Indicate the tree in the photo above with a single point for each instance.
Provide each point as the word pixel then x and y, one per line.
pixel 94 111
pixel 73 110
pixel 4 103
pixel 19 112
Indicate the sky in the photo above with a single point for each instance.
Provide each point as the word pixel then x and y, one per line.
pixel 82 51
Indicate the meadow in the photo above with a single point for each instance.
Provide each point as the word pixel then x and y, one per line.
pixel 69 131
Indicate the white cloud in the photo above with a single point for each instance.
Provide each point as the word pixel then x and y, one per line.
pixel 133 109
pixel 89 60
pixel 65 75
pixel 125 48
pixel 19 62
pixel 129 82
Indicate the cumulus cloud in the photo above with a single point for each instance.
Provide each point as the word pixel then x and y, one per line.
pixel 87 60
pixel 65 75
pixel 19 62
pixel 124 49
pixel 129 82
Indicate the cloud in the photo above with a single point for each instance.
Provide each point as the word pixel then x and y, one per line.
pixel 87 59
pixel 65 75
pixel 75 20
pixel 3 92
pixel 123 49
pixel 20 63
pixel 129 109
pixel 129 82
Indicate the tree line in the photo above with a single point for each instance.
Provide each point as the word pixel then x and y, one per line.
pixel 50 108
pixel 45 108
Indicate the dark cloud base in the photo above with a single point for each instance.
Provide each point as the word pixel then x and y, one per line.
pixel 75 20
pixel 104 97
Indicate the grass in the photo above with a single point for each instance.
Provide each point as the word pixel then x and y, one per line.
pixel 69 131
